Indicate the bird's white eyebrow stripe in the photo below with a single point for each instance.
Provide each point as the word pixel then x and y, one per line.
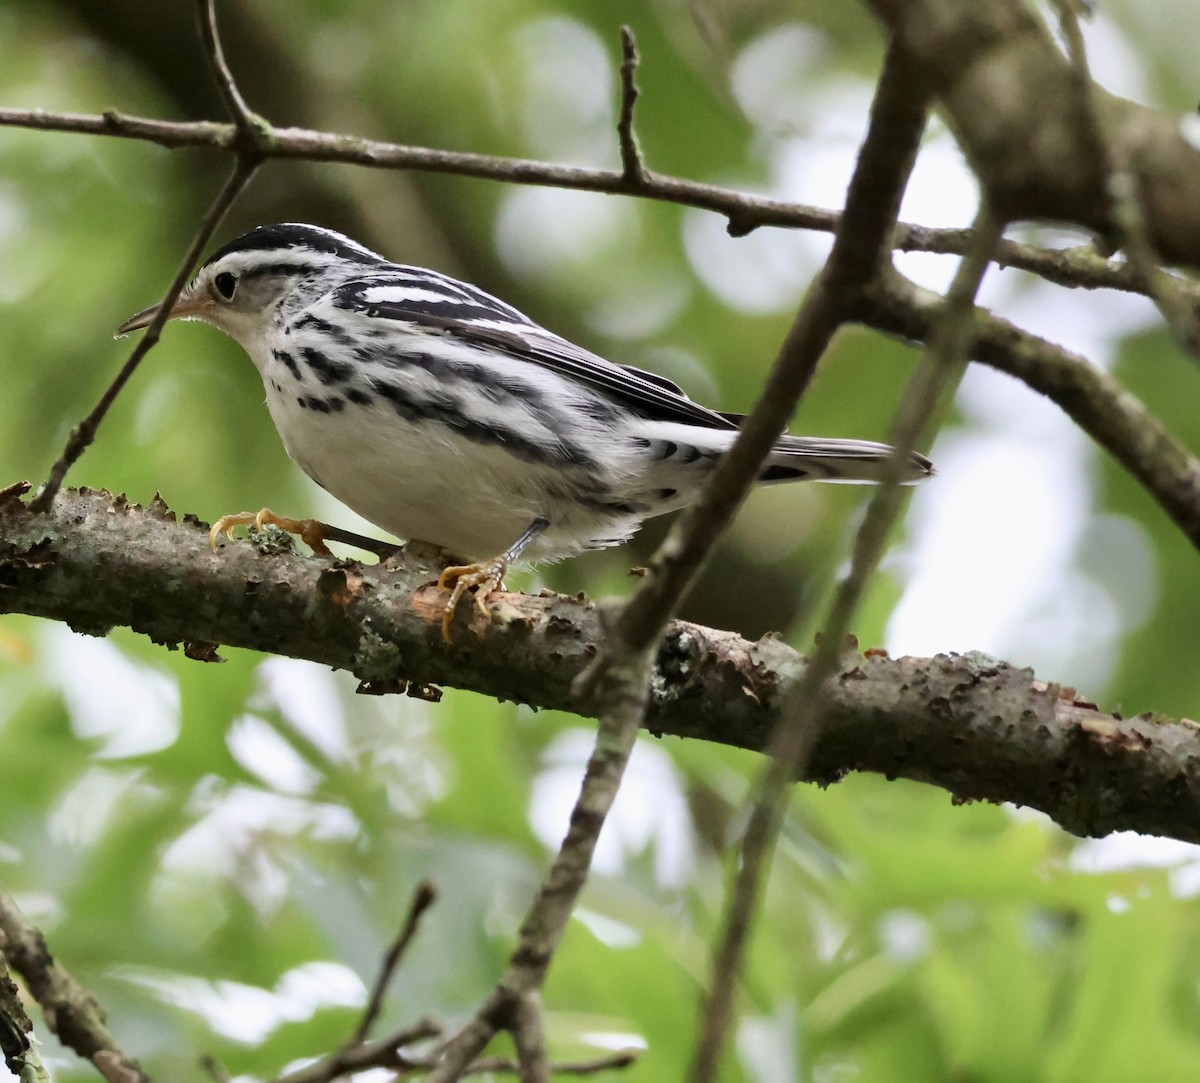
pixel 277 261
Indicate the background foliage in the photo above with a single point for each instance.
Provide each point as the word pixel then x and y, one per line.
pixel 223 852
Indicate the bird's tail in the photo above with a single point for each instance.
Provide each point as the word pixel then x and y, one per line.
pixel 848 461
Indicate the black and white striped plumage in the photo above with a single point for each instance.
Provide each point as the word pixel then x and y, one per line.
pixel 440 413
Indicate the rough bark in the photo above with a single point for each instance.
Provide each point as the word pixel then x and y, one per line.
pixel 973 725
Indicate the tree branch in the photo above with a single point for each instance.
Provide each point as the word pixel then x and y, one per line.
pixel 1096 401
pixel 244 166
pixel 976 726
pixel 386 1053
pixel 20 1048
pixel 70 1011
pixel 1080 267
pixel 424 897
pixel 618 677
pixel 898 116
pixel 243 116
pixel 85 432
pixel 633 166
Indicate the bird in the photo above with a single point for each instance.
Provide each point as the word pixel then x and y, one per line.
pixel 444 415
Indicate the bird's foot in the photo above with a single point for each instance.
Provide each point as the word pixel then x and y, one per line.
pixel 310 531
pixel 484 577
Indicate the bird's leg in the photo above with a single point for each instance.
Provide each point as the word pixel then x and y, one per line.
pixel 310 531
pixel 484 577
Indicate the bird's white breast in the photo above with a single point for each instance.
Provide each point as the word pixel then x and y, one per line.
pixel 423 479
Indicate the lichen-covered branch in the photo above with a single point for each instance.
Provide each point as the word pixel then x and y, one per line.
pixel 979 728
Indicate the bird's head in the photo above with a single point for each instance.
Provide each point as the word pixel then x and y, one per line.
pixel 249 284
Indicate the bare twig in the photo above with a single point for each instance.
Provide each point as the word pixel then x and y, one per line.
pixel 70 1011
pixel 385 1053
pixel 215 1069
pixel 884 164
pixel 614 1062
pixel 85 432
pixel 623 689
pixel 791 744
pixel 423 898
pixel 1080 267
pixel 617 680
pixel 633 167
pixel 243 116
pixel 530 1038
pixel 1095 400
pixel 247 161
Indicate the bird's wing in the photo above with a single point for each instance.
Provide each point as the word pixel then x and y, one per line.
pixel 445 306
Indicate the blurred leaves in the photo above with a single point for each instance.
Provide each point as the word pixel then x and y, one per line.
pixel 210 847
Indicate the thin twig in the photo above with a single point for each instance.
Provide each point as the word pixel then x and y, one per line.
pixel 614 1062
pixel 423 898
pixel 1079 267
pixel 529 1036
pixel 215 1068
pixel 227 87
pixel 885 160
pixel 633 166
pixel 85 432
pixel 623 689
pixel 884 164
pixel 938 374
pixel 1094 399
pixel 385 1053
pixel 70 1011
pixel 249 128
pixel 617 680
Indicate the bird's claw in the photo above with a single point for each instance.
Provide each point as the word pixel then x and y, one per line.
pixel 310 531
pixel 484 577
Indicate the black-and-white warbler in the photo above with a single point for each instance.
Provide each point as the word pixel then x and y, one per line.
pixel 442 414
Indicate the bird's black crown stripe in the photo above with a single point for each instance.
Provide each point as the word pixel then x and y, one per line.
pixel 284 235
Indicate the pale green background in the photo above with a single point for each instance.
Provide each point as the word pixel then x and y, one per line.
pixel 222 853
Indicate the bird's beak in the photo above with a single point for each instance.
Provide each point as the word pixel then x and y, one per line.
pixel 185 308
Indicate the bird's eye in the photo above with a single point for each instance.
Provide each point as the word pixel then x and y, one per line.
pixel 225 284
